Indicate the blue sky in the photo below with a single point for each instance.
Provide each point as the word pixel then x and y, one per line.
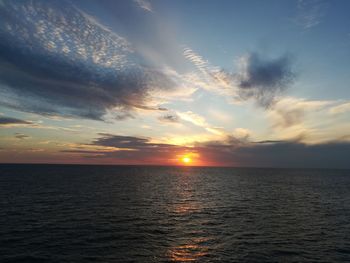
pixel 224 82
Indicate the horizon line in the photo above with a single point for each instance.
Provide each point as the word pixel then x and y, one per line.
pixel 180 166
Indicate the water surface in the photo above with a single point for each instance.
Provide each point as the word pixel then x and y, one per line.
pixel 62 213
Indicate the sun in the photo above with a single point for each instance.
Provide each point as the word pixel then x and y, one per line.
pixel 186 160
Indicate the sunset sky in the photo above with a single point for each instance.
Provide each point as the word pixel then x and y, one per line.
pixel 226 83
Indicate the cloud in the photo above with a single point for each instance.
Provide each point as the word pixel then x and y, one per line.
pixel 310 13
pixel 196 59
pixel 295 154
pixel 259 78
pixel 242 133
pixel 220 115
pixel 169 117
pixel 144 4
pixel 21 136
pixel 230 151
pixel 133 150
pixel 121 114
pixel 193 118
pixel 119 141
pixel 229 142
pixel 339 109
pixel 57 60
pixel 290 111
pixel 276 153
pixel 199 121
pixel 269 141
pixel 8 121
pixel 263 79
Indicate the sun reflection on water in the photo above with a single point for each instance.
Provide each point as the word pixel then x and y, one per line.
pixel 193 250
pixel 185 209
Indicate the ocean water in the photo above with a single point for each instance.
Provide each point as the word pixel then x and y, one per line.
pixel 61 213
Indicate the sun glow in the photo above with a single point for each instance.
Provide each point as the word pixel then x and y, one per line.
pixel 186 159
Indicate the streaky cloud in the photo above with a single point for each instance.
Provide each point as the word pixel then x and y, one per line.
pixel 340 109
pixel 132 149
pixel 21 136
pixel 144 4
pixel 4 121
pixel 129 142
pixel 197 60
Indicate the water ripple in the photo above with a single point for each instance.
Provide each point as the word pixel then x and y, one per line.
pixel 160 214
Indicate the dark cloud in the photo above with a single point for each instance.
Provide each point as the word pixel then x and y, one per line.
pixel 229 143
pixel 57 60
pixel 9 121
pixel 229 152
pixel 273 153
pixel 263 79
pixel 296 154
pixel 21 136
pixel 170 117
pixel 270 141
pixel 129 149
pixel 129 142
pixel 119 141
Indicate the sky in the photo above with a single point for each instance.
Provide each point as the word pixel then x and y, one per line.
pixel 160 82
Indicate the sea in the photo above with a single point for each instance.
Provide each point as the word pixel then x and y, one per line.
pixel 87 213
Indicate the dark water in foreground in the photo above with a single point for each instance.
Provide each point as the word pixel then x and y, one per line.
pixel 160 214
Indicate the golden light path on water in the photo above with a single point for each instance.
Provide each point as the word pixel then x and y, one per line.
pixel 196 244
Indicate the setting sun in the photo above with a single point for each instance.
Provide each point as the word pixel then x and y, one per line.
pixel 186 159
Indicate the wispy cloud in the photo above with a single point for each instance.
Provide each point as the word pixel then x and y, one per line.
pixel 144 4
pixel 10 122
pixel 310 13
pixel 314 121
pixel 289 111
pixel 199 121
pixel 339 109
pixel 196 59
